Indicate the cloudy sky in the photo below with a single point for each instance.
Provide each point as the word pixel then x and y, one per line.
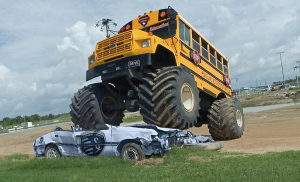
pixel 44 45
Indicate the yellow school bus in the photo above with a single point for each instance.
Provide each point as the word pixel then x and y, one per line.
pixel 160 65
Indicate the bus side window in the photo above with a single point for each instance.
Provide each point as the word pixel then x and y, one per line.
pixel 196 44
pixel 225 64
pixel 184 33
pixel 219 61
pixel 204 48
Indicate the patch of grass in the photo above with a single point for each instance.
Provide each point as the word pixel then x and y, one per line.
pixel 295 99
pixel 133 119
pixel 63 118
pixel 267 103
pixel 180 164
pixel 16 157
pixel 4 131
pixel 296 88
pixel 254 104
pixel 250 104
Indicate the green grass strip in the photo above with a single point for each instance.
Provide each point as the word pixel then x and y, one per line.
pixel 181 164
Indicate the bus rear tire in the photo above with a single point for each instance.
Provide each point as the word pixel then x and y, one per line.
pixel 226 119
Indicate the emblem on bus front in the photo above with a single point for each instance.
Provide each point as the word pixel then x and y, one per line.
pixel 144 20
pixel 112 46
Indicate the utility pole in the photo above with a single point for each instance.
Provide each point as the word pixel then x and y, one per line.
pixel 297 72
pixel 237 79
pixel 297 67
pixel 281 68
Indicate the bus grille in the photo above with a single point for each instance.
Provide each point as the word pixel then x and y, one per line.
pixel 121 42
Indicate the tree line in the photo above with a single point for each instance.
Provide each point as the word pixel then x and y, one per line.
pixel 288 81
pixel 33 118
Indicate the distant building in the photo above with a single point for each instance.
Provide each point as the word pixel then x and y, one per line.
pixel 27 124
pixel 265 87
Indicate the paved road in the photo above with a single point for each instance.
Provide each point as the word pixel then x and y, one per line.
pixel 18 131
pixel 264 108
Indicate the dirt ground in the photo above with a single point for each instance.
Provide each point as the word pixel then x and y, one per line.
pixel 274 130
pixel 270 98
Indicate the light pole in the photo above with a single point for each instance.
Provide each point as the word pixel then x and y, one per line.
pixel 237 79
pixel 299 71
pixel 297 67
pixel 281 68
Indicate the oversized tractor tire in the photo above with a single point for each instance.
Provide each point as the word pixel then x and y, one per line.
pixel 226 119
pixel 170 98
pixel 89 107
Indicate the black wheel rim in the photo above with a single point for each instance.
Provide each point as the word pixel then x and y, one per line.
pixel 131 154
pixel 106 111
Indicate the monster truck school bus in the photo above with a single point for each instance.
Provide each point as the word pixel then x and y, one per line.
pixel 160 64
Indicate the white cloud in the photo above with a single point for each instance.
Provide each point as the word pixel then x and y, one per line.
pixel 222 15
pixel 67 44
pixel 50 88
pixel 33 86
pixel 250 45
pixel 18 107
pixel 3 71
pixel 234 59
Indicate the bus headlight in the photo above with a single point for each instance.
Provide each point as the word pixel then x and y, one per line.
pixel 146 43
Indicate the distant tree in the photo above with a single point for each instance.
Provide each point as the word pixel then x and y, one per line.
pixel 8 121
pixel 35 117
pixel 51 116
pixel 28 119
pixel 19 119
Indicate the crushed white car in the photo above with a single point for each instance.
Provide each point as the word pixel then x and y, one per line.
pixel 133 143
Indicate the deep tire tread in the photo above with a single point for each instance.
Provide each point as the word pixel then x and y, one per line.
pixel 221 120
pixel 160 102
pixel 86 110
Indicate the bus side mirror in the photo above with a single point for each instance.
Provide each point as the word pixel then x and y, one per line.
pixel 172 23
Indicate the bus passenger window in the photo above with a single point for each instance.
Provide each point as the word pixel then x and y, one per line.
pixel 204 49
pixel 196 45
pixel 184 33
pixel 225 65
pixel 219 61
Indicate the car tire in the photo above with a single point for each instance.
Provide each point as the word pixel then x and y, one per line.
pixel 226 119
pixel 132 152
pixel 52 152
pixel 88 107
pixel 170 98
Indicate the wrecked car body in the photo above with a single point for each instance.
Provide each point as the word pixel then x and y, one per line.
pixel 111 140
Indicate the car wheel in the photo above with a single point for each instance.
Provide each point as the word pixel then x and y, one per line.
pixel 52 152
pixel 132 152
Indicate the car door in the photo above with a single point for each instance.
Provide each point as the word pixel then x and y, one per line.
pixel 94 142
